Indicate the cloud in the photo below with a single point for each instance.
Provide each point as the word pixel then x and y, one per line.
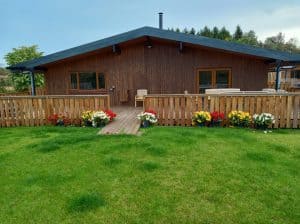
pixel 269 22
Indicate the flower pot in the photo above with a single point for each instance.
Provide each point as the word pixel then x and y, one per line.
pixel 87 123
pixel 216 123
pixel 262 127
pixel 60 123
pixel 145 124
pixel 201 125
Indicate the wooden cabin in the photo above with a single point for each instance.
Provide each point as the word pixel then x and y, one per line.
pixel 157 60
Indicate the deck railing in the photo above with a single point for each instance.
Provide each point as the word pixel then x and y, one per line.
pixel 34 111
pixel 178 109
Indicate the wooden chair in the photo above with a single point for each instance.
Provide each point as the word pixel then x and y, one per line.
pixel 140 96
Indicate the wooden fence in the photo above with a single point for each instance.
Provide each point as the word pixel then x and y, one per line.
pixel 34 111
pixel 178 109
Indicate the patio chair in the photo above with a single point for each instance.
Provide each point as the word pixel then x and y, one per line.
pixel 140 96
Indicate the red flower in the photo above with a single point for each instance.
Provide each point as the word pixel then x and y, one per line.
pixel 111 114
pixel 59 119
pixel 151 111
pixel 217 116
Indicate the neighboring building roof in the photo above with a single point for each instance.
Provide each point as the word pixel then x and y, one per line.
pixel 163 34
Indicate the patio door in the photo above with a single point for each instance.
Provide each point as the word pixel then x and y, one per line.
pixel 213 78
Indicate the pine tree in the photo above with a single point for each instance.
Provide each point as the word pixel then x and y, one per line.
pixel 206 32
pixel 193 31
pixel 224 34
pixel 177 30
pixel 238 34
pixel 185 30
pixel 215 32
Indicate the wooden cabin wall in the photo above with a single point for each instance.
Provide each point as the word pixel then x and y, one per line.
pixel 160 69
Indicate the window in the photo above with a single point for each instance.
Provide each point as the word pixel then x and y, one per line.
pixel 296 74
pixel 74 80
pixel 213 78
pixel 101 81
pixel 87 80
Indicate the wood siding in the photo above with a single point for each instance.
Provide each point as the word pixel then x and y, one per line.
pixel 161 69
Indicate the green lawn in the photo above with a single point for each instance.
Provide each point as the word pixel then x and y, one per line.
pixel 167 175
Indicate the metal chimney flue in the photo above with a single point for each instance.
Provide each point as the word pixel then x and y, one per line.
pixel 160 20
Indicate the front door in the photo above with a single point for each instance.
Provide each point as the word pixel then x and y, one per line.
pixel 213 78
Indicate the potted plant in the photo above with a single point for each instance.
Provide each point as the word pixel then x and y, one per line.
pixel 201 118
pixel 239 118
pixel 59 120
pixel 147 118
pixel 100 119
pixel 87 118
pixel 110 114
pixel 263 120
pixel 216 118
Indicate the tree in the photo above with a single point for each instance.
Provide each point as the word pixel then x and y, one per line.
pixel 193 31
pixel 17 55
pixel 238 34
pixel 215 32
pixel 177 30
pixel 275 42
pixel 224 34
pixel 206 32
pixel 4 73
pixel 249 38
pixel 185 30
pixel 291 46
pixel 4 81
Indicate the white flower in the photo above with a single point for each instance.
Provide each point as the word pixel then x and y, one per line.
pixel 146 116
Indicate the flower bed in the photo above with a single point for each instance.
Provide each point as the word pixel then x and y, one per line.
pixel 239 118
pixel 97 118
pixel 216 118
pixel 263 120
pixel 235 118
pixel 59 120
pixel 147 118
pixel 201 118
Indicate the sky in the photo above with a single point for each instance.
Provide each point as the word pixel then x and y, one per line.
pixel 56 25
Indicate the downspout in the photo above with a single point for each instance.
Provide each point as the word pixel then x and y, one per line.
pixel 32 78
pixel 277 84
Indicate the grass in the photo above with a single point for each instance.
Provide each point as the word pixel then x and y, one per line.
pixel 167 175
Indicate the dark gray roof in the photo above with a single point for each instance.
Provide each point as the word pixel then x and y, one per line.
pixel 163 34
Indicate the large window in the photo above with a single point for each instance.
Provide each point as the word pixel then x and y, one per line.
pixel 213 78
pixel 87 80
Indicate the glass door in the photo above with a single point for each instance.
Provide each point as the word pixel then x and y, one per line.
pixel 222 79
pixel 213 79
pixel 205 80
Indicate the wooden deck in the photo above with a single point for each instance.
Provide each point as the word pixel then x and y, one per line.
pixel 126 121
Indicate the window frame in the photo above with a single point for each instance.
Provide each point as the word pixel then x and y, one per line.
pixel 214 77
pixel 78 82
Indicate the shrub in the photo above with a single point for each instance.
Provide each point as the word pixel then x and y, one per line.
pixel 110 114
pixel 59 120
pixel 216 118
pixel 147 118
pixel 100 119
pixel 97 118
pixel 87 117
pixel 239 118
pixel 201 118
pixel 263 120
